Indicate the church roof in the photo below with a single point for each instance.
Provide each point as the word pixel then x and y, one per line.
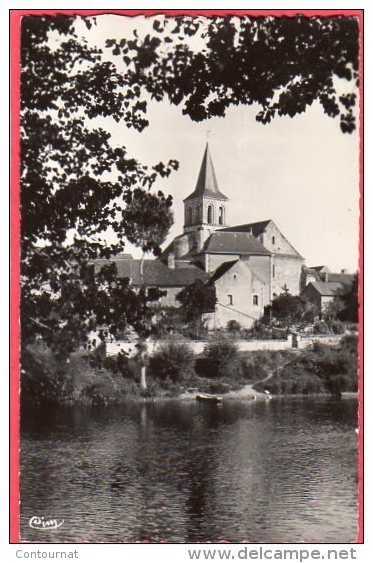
pixel 156 273
pixel 255 228
pixel 207 184
pixel 234 243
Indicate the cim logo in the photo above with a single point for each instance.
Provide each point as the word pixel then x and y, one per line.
pixel 43 523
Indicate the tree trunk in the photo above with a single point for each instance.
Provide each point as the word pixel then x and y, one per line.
pixel 143 385
pixel 142 284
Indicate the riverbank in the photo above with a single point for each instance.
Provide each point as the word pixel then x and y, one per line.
pixel 175 372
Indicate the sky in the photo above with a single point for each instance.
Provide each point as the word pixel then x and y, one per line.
pixel 302 172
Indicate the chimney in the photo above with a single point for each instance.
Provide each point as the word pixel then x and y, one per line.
pixel 171 260
pixel 326 276
pixel 343 271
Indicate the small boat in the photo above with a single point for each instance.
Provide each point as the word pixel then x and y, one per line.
pixel 210 398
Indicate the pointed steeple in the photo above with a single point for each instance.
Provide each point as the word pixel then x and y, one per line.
pixel 207 184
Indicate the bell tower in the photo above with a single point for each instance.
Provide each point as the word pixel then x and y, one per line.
pixel 205 209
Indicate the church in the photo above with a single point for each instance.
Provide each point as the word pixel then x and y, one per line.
pixel 248 264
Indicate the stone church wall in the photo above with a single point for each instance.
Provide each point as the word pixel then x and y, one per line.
pixel 275 242
pixel 287 270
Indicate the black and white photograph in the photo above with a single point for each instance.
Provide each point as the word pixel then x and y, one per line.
pixel 190 277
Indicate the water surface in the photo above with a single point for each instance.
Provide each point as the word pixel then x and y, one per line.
pixel 277 471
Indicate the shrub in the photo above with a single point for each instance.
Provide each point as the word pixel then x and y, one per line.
pixel 251 368
pixel 261 330
pixel 321 327
pixel 219 359
pixel 350 343
pixel 40 378
pixel 44 379
pixel 168 322
pixel 173 360
pixel 122 364
pixel 337 327
pixel 233 326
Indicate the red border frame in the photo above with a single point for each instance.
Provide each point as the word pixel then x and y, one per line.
pixel 15 17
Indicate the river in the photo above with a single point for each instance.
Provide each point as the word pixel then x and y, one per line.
pixel 181 471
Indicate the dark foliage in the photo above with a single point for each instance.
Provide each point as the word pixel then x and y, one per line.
pixel 233 326
pixel 197 298
pixel 122 365
pixel 289 309
pixel 219 359
pixel 174 361
pixel 66 206
pixel 350 300
pixel 325 369
pixel 283 64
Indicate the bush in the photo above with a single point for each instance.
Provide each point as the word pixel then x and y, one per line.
pixel 321 327
pixel 173 360
pixel 350 343
pixel 41 381
pixel 261 330
pixel 47 380
pixel 121 364
pixel 337 327
pixel 219 359
pixel 168 322
pixel 251 368
pixel 233 326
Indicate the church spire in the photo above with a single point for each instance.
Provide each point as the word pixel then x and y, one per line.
pixel 205 208
pixel 207 185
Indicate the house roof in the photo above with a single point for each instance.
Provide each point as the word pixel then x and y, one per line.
pixel 156 273
pixel 327 289
pixel 320 268
pixel 254 228
pixel 311 271
pixel 207 184
pixel 347 279
pixel 234 243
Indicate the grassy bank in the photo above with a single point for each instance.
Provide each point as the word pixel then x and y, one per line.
pixel 174 369
pixel 323 369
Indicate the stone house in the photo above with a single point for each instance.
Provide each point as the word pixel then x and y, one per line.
pixel 156 274
pixel 321 294
pixel 240 294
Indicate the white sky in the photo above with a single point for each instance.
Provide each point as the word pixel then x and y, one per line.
pixel 303 172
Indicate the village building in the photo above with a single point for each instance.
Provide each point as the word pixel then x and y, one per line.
pixel 321 294
pixel 240 295
pixel 155 275
pixel 249 264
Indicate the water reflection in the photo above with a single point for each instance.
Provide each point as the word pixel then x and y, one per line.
pixel 276 471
